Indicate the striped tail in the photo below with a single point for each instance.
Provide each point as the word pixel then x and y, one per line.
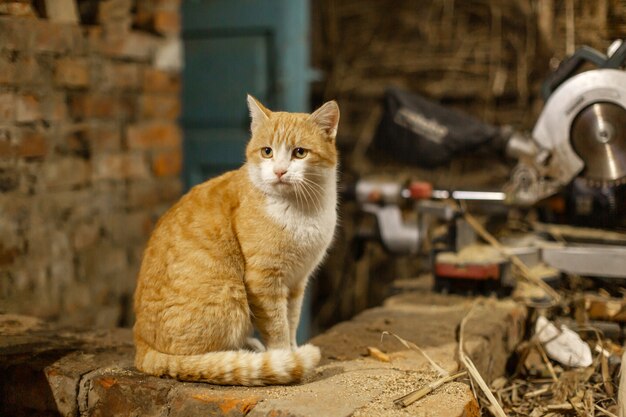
pixel 236 367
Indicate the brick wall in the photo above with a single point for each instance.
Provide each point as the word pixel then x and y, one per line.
pixel 90 155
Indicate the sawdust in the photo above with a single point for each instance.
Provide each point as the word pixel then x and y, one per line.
pixel 476 254
pixel 368 387
pixel 543 270
pixel 451 397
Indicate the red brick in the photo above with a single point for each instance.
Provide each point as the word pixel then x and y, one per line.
pixel 28 71
pixel 159 81
pixel 143 15
pixel 113 10
pixel 16 34
pixel 120 166
pixel 7 68
pixel 66 172
pixel 93 39
pixel 100 261
pixel 8 255
pixel 167 163
pixel 103 136
pixel 167 22
pixel 143 194
pixel 152 192
pixel 27 108
pixel 153 135
pixel 121 76
pixel 170 189
pixel 130 227
pixel 54 107
pixel 33 144
pixel 75 144
pixel 169 54
pixel 86 235
pixel 100 106
pixel 17 8
pixel 168 4
pixel 7 150
pixel 134 45
pixel 7 107
pixel 92 105
pixel 155 106
pixel 72 72
pixel 9 179
pixel 56 37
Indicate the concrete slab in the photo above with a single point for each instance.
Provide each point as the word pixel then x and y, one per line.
pixel 90 373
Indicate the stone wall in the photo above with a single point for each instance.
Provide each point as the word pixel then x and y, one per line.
pixel 90 154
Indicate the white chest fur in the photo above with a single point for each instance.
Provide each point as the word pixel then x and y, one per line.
pixel 310 225
pixel 309 229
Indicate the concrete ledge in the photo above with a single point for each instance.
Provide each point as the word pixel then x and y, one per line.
pixel 50 371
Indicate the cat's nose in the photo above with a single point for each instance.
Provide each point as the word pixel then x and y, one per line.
pixel 280 172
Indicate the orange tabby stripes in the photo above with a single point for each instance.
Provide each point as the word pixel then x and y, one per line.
pixel 236 252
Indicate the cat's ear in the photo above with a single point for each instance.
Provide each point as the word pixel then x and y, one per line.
pixel 258 112
pixel 327 118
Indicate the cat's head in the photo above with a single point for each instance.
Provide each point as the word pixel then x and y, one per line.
pixel 288 152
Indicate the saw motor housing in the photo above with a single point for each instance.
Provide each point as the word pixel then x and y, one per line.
pixel 579 139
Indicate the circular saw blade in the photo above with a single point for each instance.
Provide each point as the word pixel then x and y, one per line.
pixel 598 136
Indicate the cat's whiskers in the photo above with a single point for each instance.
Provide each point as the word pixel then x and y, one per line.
pixel 296 192
pixel 305 196
pixel 299 196
pixel 312 193
pixel 314 184
pixel 315 188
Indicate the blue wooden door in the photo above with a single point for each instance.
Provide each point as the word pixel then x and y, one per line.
pixel 235 47
pixel 232 48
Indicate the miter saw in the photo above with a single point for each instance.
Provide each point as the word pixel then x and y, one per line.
pixel 578 143
pixel 576 152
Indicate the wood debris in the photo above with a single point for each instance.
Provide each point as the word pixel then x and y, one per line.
pixel 603 307
pixel 559 391
pixel 414 396
pixel 377 354
pixel 410 345
pixel 541 387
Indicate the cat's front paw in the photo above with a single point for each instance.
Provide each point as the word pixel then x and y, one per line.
pixel 254 344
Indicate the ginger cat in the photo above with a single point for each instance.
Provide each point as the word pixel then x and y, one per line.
pixel 238 250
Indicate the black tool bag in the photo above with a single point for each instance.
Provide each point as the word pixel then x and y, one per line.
pixel 418 131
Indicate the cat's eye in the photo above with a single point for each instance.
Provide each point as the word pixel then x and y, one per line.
pixel 300 153
pixel 266 152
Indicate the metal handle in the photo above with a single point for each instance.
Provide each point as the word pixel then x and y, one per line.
pixel 583 55
pixel 569 66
